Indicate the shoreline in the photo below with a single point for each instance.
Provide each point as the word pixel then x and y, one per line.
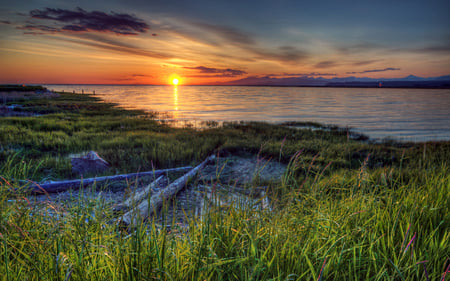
pixel 374 86
pixel 16 110
pixel 341 107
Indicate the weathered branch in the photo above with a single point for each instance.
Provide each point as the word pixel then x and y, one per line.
pixel 75 184
pixel 147 207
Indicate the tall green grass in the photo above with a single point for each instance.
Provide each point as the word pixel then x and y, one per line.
pixel 362 224
pixel 344 210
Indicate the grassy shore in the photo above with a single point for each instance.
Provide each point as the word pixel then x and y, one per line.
pixel 344 210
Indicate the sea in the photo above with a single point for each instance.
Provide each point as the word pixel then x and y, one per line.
pixel 380 113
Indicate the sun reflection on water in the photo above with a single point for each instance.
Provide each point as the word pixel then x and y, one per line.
pixel 175 101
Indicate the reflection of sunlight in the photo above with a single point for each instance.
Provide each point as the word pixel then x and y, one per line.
pixel 175 101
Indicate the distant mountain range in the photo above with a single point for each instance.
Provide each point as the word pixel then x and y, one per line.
pixel 410 81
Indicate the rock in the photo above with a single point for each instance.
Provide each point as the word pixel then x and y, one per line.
pixel 90 163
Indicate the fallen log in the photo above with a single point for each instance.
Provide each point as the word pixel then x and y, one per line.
pixel 147 207
pixel 59 186
pixel 138 196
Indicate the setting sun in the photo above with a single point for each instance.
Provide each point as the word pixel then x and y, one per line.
pixel 175 81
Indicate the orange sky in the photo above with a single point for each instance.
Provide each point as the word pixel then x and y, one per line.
pixel 68 45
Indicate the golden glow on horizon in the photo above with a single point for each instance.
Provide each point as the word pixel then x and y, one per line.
pixel 175 81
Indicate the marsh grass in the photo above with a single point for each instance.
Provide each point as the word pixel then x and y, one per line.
pixel 344 210
pixel 350 225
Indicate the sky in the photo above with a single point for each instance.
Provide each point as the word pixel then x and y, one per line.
pixel 212 42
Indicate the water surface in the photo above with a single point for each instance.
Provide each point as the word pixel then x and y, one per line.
pixel 403 114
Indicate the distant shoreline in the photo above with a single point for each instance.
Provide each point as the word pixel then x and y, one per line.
pixel 269 85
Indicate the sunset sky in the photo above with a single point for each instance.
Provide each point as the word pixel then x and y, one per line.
pixel 211 42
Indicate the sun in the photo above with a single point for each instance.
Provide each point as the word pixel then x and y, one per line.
pixel 175 81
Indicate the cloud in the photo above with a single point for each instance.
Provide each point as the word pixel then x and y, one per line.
pixel 361 47
pixel 80 20
pixel 433 49
pixel 42 29
pixel 248 43
pixel 365 62
pixel 141 75
pixel 5 22
pixel 228 72
pixel 108 43
pixel 325 64
pixel 131 78
pixel 285 54
pixel 374 70
pixel 230 34
pixel 302 74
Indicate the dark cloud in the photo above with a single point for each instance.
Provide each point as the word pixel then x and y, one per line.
pixel 374 70
pixel 228 72
pixel 326 64
pixel 83 21
pixel 5 22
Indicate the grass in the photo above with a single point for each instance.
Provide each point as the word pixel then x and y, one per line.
pixel 344 210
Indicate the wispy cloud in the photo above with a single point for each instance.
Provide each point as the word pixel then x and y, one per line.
pixel 284 54
pixel 301 74
pixel 432 49
pixel 364 62
pixel 141 75
pixel 79 20
pixel 38 29
pixel 326 64
pixel 360 47
pixel 230 34
pixel 374 70
pixel 108 43
pixel 226 72
pixel 248 43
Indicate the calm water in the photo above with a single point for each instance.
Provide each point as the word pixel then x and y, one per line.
pixel 405 114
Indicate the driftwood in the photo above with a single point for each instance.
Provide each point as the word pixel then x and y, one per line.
pixel 147 207
pixel 75 184
pixel 138 196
